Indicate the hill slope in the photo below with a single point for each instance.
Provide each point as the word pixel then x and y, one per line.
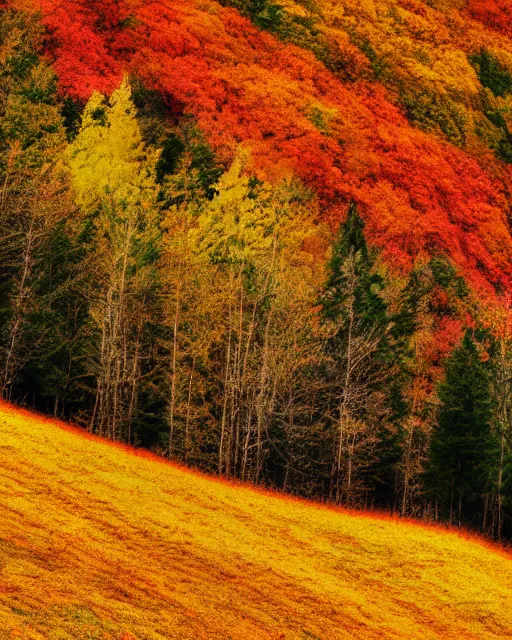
pixel 377 101
pixel 96 542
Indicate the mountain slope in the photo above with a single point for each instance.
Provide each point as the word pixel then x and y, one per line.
pixel 96 542
pixel 373 100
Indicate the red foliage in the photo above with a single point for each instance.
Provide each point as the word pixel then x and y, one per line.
pixel 441 343
pixel 419 195
pixel 86 65
pixel 496 14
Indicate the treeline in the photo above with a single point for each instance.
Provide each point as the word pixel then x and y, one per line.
pixel 158 298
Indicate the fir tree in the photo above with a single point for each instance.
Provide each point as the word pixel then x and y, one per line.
pixel 351 258
pixel 354 315
pixel 463 450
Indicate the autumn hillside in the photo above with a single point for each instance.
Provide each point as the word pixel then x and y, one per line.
pixel 97 541
pixel 403 105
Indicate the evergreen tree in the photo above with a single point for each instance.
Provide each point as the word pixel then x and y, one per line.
pixel 463 451
pixel 352 277
pixel 354 314
pixel 34 208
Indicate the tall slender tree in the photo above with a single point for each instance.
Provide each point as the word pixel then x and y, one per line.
pixel 33 199
pixel 502 395
pixel 352 306
pixel 463 450
pixel 114 179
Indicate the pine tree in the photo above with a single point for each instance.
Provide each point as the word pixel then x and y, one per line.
pixel 463 451
pixel 355 315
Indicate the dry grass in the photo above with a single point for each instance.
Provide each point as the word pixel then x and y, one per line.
pixel 96 542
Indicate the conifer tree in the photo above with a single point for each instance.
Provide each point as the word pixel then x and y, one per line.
pixel 351 258
pixel 33 203
pixel 463 451
pixel 352 307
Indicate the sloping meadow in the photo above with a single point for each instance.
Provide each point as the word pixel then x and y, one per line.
pixel 97 541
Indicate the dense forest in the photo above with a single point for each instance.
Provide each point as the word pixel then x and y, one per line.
pixel 162 292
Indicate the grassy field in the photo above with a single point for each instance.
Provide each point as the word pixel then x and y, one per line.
pixel 99 542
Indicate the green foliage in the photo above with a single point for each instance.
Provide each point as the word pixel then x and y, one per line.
pixel 72 113
pixel 351 245
pixel 433 111
pixel 507 477
pixel 505 148
pixel 183 148
pixel 265 14
pixel 29 111
pixel 320 117
pixel 33 215
pixel 412 297
pixel 491 73
pixel 187 167
pixel 445 275
pixel 379 66
pixel 157 113
pixel 463 450
pixel 363 372
pixel 203 161
pixel 503 144
pixel 20 35
pixel 168 161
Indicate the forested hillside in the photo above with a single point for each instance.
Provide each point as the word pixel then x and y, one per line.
pixel 268 239
pixel 400 105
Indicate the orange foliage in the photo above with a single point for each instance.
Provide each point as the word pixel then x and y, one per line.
pixel 420 195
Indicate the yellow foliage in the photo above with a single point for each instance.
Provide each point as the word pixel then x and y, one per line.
pixel 96 542
pixel 108 159
pixel 420 45
pixel 244 222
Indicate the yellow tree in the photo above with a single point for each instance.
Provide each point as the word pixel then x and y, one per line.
pixel 249 236
pixel 113 175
